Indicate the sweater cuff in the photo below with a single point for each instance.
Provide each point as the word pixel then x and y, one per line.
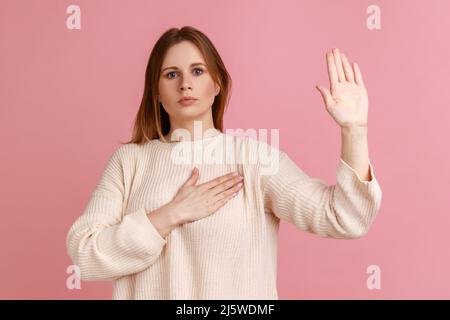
pixel 346 170
pixel 151 236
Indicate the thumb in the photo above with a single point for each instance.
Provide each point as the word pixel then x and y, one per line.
pixel 193 178
pixel 326 95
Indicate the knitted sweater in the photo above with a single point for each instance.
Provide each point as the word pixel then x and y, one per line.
pixel 231 254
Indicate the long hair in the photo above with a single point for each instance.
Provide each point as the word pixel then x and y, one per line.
pixel 152 121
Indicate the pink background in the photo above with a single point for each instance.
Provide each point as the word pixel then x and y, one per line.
pixel 69 96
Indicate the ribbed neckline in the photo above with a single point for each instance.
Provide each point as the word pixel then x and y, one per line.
pixel 212 135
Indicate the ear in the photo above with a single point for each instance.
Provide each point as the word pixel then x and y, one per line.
pixel 217 89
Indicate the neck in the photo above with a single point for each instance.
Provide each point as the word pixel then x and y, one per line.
pixel 191 131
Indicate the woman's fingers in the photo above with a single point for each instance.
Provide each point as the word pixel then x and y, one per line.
pixel 224 197
pixel 199 201
pixel 326 96
pixel 358 76
pixel 347 69
pixel 225 185
pixel 222 189
pixel 214 182
pixel 193 178
pixel 229 191
pixel 332 71
pixel 339 67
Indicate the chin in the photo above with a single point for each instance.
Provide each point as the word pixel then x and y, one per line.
pixel 192 109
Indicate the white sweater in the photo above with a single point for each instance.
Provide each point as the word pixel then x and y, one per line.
pixel 231 254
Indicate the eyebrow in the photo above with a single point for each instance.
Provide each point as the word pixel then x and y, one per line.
pixel 192 65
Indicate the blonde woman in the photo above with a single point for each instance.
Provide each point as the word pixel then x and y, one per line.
pixel 163 226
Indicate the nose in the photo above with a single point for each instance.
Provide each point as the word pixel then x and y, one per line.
pixel 185 86
pixel 185 83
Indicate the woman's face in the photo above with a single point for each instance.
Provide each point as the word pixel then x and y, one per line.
pixel 180 78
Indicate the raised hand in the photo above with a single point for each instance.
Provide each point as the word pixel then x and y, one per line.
pixel 346 100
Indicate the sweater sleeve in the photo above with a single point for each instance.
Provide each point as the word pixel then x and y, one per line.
pixel 103 243
pixel 342 211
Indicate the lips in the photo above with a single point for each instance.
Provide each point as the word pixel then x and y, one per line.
pixel 186 99
pixel 187 102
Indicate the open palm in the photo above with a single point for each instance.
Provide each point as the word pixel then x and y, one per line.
pixel 347 100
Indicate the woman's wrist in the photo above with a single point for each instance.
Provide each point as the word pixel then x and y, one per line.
pixel 164 219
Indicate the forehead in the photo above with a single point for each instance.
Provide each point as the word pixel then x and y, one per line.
pixel 182 54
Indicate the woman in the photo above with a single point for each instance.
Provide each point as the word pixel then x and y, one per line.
pixel 161 230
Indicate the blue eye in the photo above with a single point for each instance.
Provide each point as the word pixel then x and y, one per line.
pixel 175 72
pixel 169 74
pixel 199 69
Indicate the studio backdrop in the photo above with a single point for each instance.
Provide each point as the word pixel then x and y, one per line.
pixel 71 81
